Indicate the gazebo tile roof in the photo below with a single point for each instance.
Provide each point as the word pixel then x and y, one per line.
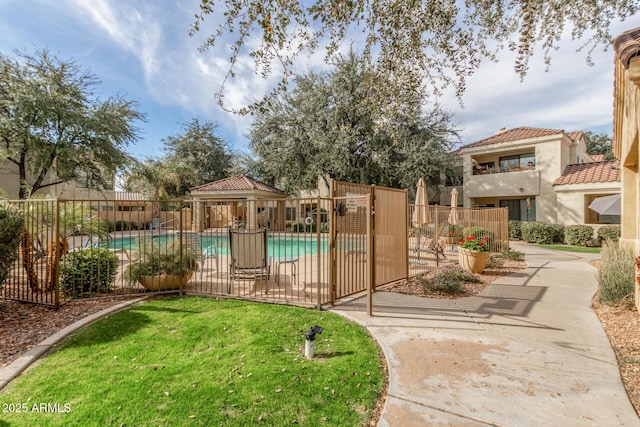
pixel 237 183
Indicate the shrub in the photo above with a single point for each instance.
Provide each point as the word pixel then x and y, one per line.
pixel 515 233
pixel 87 272
pixel 617 274
pixel 450 279
pixel 495 261
pixel 125 226
pixel 558 232
pixel 578 235
pixel 537 232
pixel 609 232
pixel 511 254
pixel 11 226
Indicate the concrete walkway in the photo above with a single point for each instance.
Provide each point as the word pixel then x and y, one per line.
pixel 527 351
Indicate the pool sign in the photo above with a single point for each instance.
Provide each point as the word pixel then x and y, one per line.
pixel 355 201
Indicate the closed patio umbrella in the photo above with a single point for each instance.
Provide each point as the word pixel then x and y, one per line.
pixel 453 214
pixel 421 215
pixel 606 205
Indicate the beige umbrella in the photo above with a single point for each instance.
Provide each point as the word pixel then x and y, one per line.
pixel 453 214
pixel 421 215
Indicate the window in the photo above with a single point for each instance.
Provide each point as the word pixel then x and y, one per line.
pixel 290 214
pixel 107 208
pixel 126 208
pixel 518 162
pixel 520 209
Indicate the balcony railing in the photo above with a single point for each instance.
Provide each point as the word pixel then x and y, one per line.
pixel 508 169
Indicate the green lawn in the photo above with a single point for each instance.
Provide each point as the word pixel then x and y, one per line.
pixel 202 362
pixel 571 248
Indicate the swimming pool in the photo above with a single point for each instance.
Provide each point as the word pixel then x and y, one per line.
pixel 288 246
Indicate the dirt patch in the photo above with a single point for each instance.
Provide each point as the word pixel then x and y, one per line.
pixel 429 358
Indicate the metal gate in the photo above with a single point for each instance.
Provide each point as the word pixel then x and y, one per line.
pixel 369 230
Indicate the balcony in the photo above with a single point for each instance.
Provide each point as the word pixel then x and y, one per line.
pixel 510 184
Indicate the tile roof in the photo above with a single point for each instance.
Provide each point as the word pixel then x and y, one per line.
pixel 129 196
pixel 575 135
pixel 237 183
pixel 515 134
pixel 627 45
pixel 586 173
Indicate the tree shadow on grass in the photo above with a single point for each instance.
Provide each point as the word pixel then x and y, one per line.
pixel 110 329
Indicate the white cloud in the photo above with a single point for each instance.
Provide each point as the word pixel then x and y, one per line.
pixel 135 30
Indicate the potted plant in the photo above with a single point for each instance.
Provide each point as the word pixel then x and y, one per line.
pixel 473 253
pixel 158 266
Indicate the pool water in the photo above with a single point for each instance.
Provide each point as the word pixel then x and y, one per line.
pixel 277 246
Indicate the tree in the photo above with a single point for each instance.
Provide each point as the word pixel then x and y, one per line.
pixel 418 46
pixel 599 144
pixel 154 177
pixel 198 154
pixel 326 127
pixel 54 129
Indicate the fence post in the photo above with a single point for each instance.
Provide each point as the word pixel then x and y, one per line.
pixel 371 272
pixel 56 277
pixel 318 253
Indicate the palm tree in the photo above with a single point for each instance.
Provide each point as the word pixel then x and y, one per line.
pixel 156 176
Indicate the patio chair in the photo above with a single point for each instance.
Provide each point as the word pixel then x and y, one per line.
pixel 248 259
pixel 192 240
pixel 431 244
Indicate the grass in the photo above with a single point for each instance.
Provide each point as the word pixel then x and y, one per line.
pixel 203 362
pixel 571 248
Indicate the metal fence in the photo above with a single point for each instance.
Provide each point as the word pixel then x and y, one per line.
pixel 314 250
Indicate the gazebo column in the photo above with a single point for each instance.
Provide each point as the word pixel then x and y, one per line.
pixel 198 217
pixel 252 214
pixel 280 219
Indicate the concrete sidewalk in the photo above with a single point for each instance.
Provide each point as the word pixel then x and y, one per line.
pixel 527 351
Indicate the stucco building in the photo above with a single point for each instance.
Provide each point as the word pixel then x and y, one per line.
pixel 539 174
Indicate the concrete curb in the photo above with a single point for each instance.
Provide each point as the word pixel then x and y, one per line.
pixel 25 360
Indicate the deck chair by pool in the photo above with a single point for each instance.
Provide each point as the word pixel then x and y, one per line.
pixel 192 240
pixel 248 258
pixel 429 244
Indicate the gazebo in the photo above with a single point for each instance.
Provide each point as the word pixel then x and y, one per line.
pixel 224 203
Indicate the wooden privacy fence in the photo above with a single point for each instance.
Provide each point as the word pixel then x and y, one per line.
pixel 316 250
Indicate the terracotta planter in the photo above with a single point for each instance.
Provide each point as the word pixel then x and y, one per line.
pixel 165 282
pixel 471 260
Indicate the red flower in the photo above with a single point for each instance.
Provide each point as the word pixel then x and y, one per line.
pixel 471 238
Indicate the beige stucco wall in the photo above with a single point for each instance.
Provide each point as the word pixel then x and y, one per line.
pixel 552 154
pixel 10 183
pixel 627 123
pixel 573 201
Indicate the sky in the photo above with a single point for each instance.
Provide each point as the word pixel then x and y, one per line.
pixel 141 50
